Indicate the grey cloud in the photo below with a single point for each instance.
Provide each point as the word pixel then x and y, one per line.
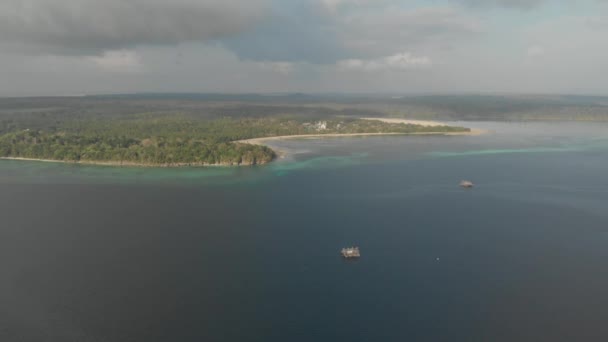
pixel 598 22
pixel 297 31
pixel 395 30
pixel 316 38
pixel 91 26
pixel 518 4
pixel 291 31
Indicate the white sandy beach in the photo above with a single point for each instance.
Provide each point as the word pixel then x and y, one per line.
pixel 263 141
pixel 474 131
pixel 409 121
pixel 282 153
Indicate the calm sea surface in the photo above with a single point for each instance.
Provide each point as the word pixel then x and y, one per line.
pixel 252 254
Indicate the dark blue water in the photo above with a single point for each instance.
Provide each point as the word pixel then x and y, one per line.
pixel 103 254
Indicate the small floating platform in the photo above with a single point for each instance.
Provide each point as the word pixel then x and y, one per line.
pixel 351 252
pixel 466 184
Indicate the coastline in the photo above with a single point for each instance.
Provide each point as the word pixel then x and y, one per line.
pixel 281 153
pixel 263 140
pixel 126 164
pixel 408 121
pixel 473 132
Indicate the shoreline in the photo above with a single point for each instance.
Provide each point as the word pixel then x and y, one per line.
pixel 428 123
pixel 125 164
pixel 281 153
pixel 263 140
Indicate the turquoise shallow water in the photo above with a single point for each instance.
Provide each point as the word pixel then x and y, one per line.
pixel 593 144
pixel 504 151
pixel 251 254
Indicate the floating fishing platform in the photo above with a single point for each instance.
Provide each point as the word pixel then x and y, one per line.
pixel 351 252
pixel 466 184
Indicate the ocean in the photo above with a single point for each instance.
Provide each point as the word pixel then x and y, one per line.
pixel 93 253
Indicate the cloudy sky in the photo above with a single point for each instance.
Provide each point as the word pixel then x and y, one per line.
pixel 73 47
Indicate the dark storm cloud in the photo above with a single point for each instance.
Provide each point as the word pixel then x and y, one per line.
pixel 86 26
pixel 520 4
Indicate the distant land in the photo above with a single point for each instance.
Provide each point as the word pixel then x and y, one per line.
pixel 216 129
pixel 449 107
pixel 168 131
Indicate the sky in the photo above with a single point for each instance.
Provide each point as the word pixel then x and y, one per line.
pixel 78 47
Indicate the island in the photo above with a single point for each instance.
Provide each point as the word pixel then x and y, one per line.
pixel 129 136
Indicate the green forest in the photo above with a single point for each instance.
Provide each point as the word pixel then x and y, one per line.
pixel 123 149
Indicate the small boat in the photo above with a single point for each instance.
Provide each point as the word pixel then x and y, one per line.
pixel 466 184
pixel 350 252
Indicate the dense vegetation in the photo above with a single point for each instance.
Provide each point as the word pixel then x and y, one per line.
pixel 167 132
pixel 126 150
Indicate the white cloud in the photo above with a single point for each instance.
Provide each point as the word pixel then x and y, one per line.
pixel 535 51
pixel 284 68
pixel 392 29
pixel 400 61
pixel 521 4
pixel 118 61
pixel 598 22
pixel 334 5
